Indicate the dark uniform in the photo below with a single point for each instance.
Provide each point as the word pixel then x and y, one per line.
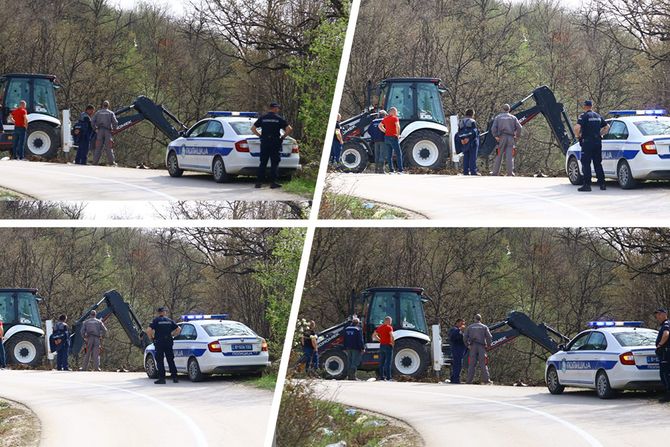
pixel 84 138
pixel 354 345
pixel 592 146
pixel 663 353
pixel 468 131
pixel 457 353
pixel 163 328
pixel 271 143
pixel 62 349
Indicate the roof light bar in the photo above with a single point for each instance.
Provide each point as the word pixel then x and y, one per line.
pixel 216 113
pixel 600 324
pixel 651 112
pixel 204 317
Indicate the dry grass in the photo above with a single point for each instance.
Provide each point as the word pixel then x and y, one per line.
pixel 18 425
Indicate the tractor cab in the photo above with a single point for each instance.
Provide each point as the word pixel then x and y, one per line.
pixel 403 305
pixel 417 99
pixel 20 316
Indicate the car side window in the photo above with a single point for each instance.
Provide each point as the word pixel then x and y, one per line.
pixel 215 129
pixel 597 342
pixel 187 332
pixel 199 130
pixel 578 344
pixel 618 131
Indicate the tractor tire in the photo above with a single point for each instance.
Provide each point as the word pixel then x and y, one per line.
pixel 625 176
pixel 553 384
pixel 219 171
pixel 425 149
pixel 334 365
pixel 173 165
pixel 25 349
pixel 573 171
pixel 194 373
pixel 150 367
pixel 410 358
pixel 42 140
pixel 355 157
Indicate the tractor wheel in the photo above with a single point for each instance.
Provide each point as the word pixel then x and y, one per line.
pixel 410 358
pixel 553 384
pixel 25 349
pixel 173 165
pixel 150 367
pixel 573 171
pixel 219 171
pixel 42 140
pixel 334 364
pixel 424 149
pixel 355 157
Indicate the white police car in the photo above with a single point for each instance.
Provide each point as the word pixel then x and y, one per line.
pixel 212 344
pixel 224 145
pixel 637 147
pixel 610 356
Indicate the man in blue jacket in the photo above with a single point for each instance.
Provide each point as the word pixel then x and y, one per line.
pixel 377 141
pixel 354 345
pixel 457 349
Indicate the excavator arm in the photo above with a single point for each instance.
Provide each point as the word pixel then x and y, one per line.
pixel 156 114
pixel 519 324
pixel 114 304
pixel 545 105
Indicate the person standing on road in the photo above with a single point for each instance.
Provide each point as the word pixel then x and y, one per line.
pixel 379 146
pixel 92 330
pixel 162 331
pixel 506 129
pixel 457 350
pixel 19 117
pixel 663 350
pixel 384 335
pixel 271 125
pixel 61 328
pixel 3 360
pixel 390 125
pixel 103 122
pixel 354 345
pixel 477 337
pixel 338 142
pixel 310 348
pixel 468 139
pixel 85 134
pixel 589 129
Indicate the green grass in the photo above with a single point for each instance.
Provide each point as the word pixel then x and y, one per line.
pixel 265 382
pixel 301 186
pixel 9 195
pixel 338 206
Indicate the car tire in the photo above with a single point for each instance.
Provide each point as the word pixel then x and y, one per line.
pixel 334 365
pixel 603 388
pixel 425 149
pixel 410 358
pixel 574 173
pixel 194 372
pixel 625 176
pixel 173 165
pixel 553 383
pixel 219 171
pixel 42 140
pixel 355 157
pixel 25 349
pixel 150 367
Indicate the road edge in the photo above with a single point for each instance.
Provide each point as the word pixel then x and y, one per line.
pixel 32 416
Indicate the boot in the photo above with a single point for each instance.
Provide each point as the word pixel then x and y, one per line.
pixel 159 381
pixel 585 188
pixel 665 398
pixel 175 379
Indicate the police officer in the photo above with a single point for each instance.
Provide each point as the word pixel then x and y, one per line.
pixel 663 350
pixel 468 141
pixel 271 125
pixel 354 347
pixel 104 121
pixel 506 129
pixel 62 349
pixel 458 349
pixel 92 330
pixel 477 338
pixel 85 135
pixel 377 140
pixel 161 330
pixel 589 129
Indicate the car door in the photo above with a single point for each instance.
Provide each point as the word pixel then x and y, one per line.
pixel 614 144
pixel 211 144
pixel 191 145
pixel 596 356
pixel 183 345
pixel 570 366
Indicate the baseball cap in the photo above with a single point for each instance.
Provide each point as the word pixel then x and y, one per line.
pixel 161 309
pixel 274 104
pixel 588 102
pixel 661 310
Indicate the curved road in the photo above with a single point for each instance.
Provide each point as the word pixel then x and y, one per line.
pixel 480 415
pixel 70 182
pixel 509 201
pixel 113 409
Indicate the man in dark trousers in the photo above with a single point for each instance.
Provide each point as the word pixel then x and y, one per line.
pixel 377 139
pixel 589 129
pixel 310 348
pixel 61 328
pixel 271 125
pixel 84 135
pixel 457 350
pixel 468 141
pixel 354 347
pixel 663 350
pixel 162 330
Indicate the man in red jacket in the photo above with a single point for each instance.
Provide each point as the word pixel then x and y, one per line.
pixel 391 128
pixel 19 117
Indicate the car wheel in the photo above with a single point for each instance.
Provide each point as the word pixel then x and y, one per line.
pixel 42 140
pixel 553 384
pixel 150 367
pixel 354 158
pixel 219 171
pixel 25 349
pixel 410 358
pixel 194 373
pixel 603 388
pixel 625 176
pixel 173 165
pixel 425 149
pixel 334 364
pixel 573 171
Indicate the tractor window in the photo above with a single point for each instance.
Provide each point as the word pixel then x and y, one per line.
pixel 18 90
pixel 28 311
pixel 383 305
pixel 401 96
pixel 7 311
pixel 44 99
pixel 429 103
pixel 411 313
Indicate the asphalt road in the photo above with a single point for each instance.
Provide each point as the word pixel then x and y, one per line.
pixel 510 201
pixel 113 409
pixel 70 182
pixel 478 415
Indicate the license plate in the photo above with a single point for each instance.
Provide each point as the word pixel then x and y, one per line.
pixel 245 347
pixel 652 359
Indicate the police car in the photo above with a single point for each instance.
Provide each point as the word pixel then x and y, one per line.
pixel 212 344
pixel 224 145
pixel 637 147
pixel 609 356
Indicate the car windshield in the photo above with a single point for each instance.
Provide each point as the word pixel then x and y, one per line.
pixel 227 330
pixel 242 127
pixel 641 337
pixel 655 127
